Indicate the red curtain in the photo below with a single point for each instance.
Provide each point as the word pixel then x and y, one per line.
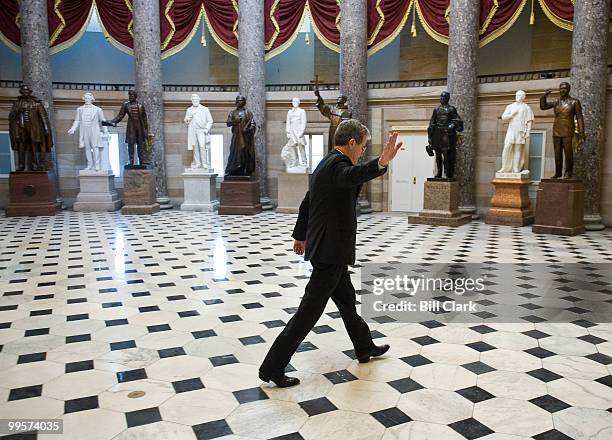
pixel 67 21
pixel 282 21
pixel 324 14
pixel 116 21
pixel 560 12
pixel 385 20
pixel 496 16
pixel 9 30
pixel 222 20
pixel 178 21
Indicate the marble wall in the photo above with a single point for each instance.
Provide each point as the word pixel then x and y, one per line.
pixel 387 108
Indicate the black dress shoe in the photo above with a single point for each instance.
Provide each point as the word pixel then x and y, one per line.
pixel 378 350
pixel 282 381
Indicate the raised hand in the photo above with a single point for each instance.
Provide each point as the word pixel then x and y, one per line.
pixel 390 150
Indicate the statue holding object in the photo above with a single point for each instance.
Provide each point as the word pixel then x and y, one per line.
pixel 442 132
pixel 29 131
pixel 137 133
pixel 568 117
pixel 335 113
pixel 92 134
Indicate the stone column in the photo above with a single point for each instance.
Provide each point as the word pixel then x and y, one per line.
pixel 589 78
pixel 463 87
pixel 147 59
pixel 251 74
pixel 36 70
pixel 354 67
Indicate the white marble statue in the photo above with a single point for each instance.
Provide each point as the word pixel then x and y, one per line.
pixel 93 136
pixel 199 122
pixel 514 155
pixel 294 151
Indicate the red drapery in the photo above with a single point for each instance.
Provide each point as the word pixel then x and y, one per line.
pixel 179 21
pixel 496 16
pixel 67 21
pixel 560 12
pixel 283 19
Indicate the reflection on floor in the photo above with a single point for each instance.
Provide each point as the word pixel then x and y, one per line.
pixel 152 327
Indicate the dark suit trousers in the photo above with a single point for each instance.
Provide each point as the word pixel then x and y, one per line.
pixel 327 280
pixel 563 145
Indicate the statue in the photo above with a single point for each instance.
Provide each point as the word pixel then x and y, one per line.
pixel 137 132
pixel 294 152
pixel 514 154
pixel 29 131
pixel 442 135
pixel 89 120
pixel 199 121
pixel 335 113
pixel 567 109
pixel 241 161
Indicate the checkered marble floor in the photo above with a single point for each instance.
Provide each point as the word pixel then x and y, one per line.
pixel 153 327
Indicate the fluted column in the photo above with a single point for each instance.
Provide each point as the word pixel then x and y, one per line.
pixel 463 87
pixel 354 67
pixel 36 70
pixel 589 79
pixel 251 74
pixel 147 59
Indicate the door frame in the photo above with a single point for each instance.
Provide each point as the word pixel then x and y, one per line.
pixel 401 129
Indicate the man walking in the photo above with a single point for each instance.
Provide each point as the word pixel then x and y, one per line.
pixel 325 231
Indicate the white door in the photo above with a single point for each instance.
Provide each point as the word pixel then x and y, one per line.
pixel 409 170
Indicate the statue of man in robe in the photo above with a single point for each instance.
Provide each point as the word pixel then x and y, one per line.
pixel 88 120
pixel 241 161
pixel 335 113
pixel 514 154
pixel 294 152
pixel 29 130
pixel 442 133
pixel 137 132
pixel 199 122
pixel 568 114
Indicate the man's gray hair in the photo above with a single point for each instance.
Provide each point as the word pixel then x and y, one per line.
pixel 350 129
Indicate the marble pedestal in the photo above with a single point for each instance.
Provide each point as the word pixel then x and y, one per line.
pixel 559 207
pixel 441 205
pixel 291 190
pixel 239 195
pixel 31 193
pixel 97 192
pixel 139 195
pixel 200 189
pixel 510 204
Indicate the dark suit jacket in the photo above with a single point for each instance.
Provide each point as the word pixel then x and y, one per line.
pixel 327 219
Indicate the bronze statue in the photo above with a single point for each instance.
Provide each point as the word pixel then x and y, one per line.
pixel 567 109
pixel 137 132
pixel 29 131
pixel 335 113
pixel 442 135
pixel 241 161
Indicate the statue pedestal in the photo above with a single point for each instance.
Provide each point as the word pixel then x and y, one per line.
pixel 559 207
pixel 239 195
pixel 441 205
pixel 31 193
pixel 510 204
pixel 292 188
pixel 139 195
pixel 200 189
pixel 97 192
